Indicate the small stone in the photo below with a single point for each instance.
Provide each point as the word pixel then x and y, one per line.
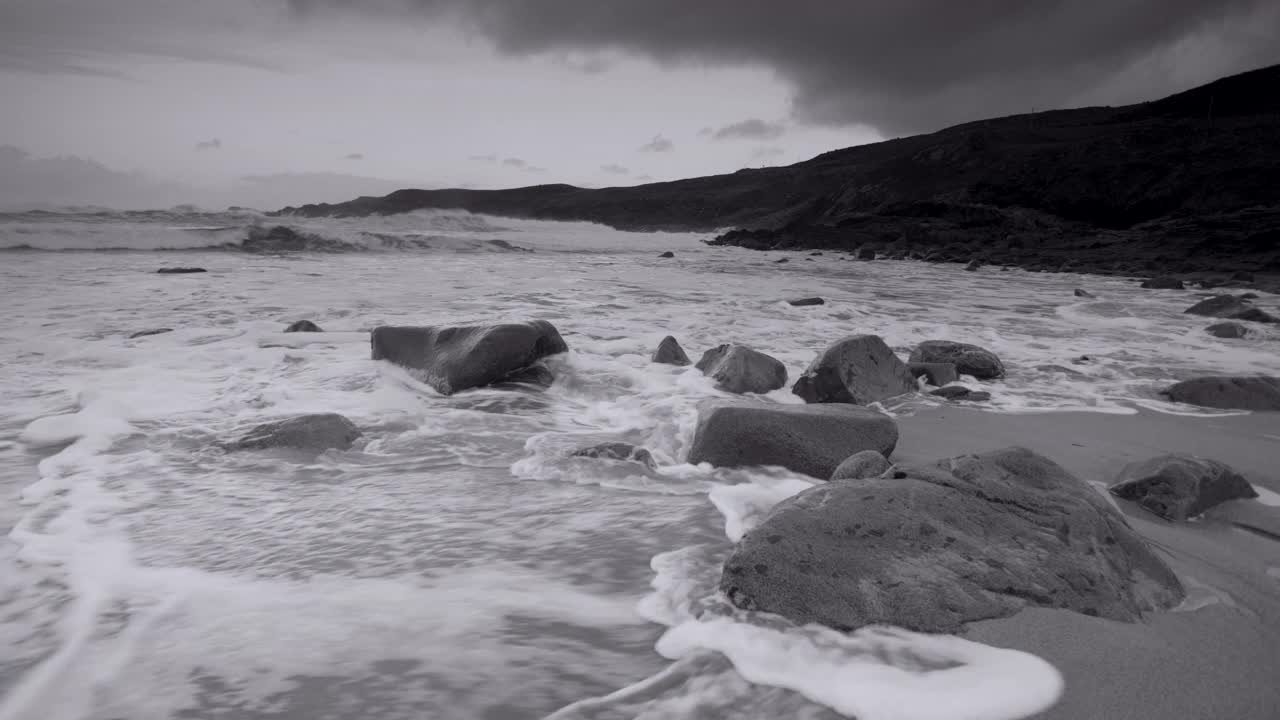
pixel 804 302
pixel 181 270
pixel 667 254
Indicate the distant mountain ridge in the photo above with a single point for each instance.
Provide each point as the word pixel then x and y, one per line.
pixel 1179 183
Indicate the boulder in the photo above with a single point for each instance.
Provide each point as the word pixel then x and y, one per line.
pixel 866 464
pixel 145 333
pixel 181 270
pixel 804 302
pixel 669 352
pixel 960 392
pixel 941 544
pixel 1229 329
pixel 451 359
pixel 1177 487
pixel 937 374
pixel 968 359
pixel 303 326
pixel 1163 283
pixel 1228 392
pixel 739 369
pixel 782 260
pixel 1083 293
pixel 317 432
pixel 618 451
pixel 1231 307
pixel 859 369
pixel 809 439
pixel 866 254
pixel 667 254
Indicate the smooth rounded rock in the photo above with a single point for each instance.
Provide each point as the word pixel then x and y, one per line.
pixel 320 431
pixel 303 326
pixel 1228 392
pixel 452 359
pixel 1163 283
pixel 1229 329
pixel 1177 487
pixel 866 464
pixel 740 369
pixel 968 359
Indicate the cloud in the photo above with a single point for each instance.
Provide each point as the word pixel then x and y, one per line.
pixel 614 169
pixel 897 66
pixel 751 129
pixel 658 144
pixel 354 156
pixel 214 144
pixel 514 162
pixel 767 152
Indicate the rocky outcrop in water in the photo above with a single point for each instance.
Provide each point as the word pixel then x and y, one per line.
pixel 968 359
pixel 321 431
pixel 740 369
pixel 942 544
pixel 1231 307
pixel 1177 487
pixel 809 439
pixel 859 369
pixel 452 359
pixel 1230 330
pixel 669 352
pixel 303 326
pixel 1228 392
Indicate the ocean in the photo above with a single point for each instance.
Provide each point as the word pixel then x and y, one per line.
pixel 457 562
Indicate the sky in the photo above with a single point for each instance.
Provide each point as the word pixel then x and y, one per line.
pixel 265 103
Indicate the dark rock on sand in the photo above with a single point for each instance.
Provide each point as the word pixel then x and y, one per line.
pixel 739 369
pixel 1163 283
pixel 1232 308
pixel 808 439
pixel 1228 392
pixel 667 254
pixel 934 373
pixel 968 359
pixel 181 270
pixel 456 358
pixel 618 451
pixel 1083 293
pixel 866 464
pixel 959 392
pixel 1229 329
pixel 866 254
pixel 303 326
pixel 1177 487
pixel 804 302
pixel 317 432
pixel 942 544
pixel 859 369
pixel 145 333
pixel 669 352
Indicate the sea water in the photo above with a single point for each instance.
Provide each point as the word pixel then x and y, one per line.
pixel 457 562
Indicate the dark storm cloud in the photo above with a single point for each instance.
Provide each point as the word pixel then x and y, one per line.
pixel 902 65
pixel 615 169
pixel 658 144
pixel 751 129
pixel 214 144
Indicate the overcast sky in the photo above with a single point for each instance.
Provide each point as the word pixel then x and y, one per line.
pixel 321 99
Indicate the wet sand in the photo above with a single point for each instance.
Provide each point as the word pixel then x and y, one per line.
pixel 1220 660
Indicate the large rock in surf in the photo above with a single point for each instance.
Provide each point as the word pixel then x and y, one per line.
pixel 968 359
pixel 938 545
pixel 859 369
pixel 809 439
pixel 303 326
pixel 320 431
pixel 669 352
pixel 1163 283
pixel 1228 392
pixel 1177 487
pixel 452 359
pixel 739 369
pixel 858 466
pixel 1229 329
pixel 1231 307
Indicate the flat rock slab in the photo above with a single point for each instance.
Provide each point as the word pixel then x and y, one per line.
pixel 320 431
pixel 808 439
pixel 860 369
pixel 740 369
pixel 968 359
pixel 946 543
pixel 1177 487
pixel 1229 392
pixel 452 359
pixel 805 302
pixel 180 270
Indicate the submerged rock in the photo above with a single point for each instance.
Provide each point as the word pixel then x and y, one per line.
pixel 942 544
pixel 1163 283
pixel 1229 329
pixel 320 431
pixel 859 369
pixel 782 260
pixel 960 392
pixel 1231 307
pixel 937 374
pixel 618 451
pixel 145 333
pixel 1083 293
pixel 669 352
pixel 973 265
pixel 303 326
pixel 808 439
pixel 1228 392
pixel 452 359
pixel 1177 487
pixel 667 254
pixel 866 254
pixel 968 359
pixel 739 369
pixel 866 464
pixel 805 302
pixel 180 270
